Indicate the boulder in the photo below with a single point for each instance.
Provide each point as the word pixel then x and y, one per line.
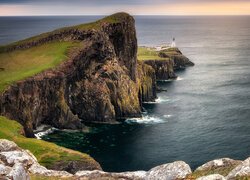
pixel 218 163
pixel 18 172
pixel 212 177
pixel 242 170
pixel 170 171
pixel 37 169
pixel 6 145
pixel 4 170
pixel 136 175
pixel 18 156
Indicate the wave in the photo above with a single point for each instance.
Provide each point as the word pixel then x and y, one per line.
pixel 179 79
pixel 145 120
pixel 167 116
pixel 40 134
pixel 158 101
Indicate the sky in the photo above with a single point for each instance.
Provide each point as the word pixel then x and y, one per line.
pixel 134 7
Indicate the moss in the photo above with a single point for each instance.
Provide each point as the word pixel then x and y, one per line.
pixel 46 153
pixel 219 170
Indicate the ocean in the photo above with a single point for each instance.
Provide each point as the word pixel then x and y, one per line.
pixel 204 115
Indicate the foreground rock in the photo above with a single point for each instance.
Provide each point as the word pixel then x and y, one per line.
pixel 242 170
pixel 19 164
pixel 170 171
pixel 219 164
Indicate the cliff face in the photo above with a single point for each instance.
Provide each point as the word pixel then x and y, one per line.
pixel 98 83
pixel 165 69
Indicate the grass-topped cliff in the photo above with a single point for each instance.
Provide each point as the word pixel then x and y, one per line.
pixel 82 73
pixel 31 56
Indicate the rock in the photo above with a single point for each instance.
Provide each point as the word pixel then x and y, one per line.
pixel 6 145
pixel 96 174
pixel 136 175
pixel 164 69
pixel 218 163
pixel 99 82
pixel 181 62
pixel 242 170
pixel 4 170
pixel 92 174
pixel 170 171
pixel 41 170
pixel 212 177
pixel 13 157
pixel 18 172
pixel 74 166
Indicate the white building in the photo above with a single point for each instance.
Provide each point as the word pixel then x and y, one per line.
pixel 173 43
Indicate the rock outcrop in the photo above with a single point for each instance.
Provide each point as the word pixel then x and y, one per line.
pixel 242 170
pixel 165 69
pixel 170 171
pixel 100 82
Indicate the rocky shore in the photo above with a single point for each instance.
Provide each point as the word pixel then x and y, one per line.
pixel 20 164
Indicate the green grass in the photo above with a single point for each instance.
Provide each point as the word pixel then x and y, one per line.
pixel 46 153
pixel 146 53
pixel 20 64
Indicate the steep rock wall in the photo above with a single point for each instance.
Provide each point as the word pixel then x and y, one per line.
pixel 98 83
pixel 165 69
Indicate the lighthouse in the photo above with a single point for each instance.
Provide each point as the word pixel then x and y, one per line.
pixel 173 43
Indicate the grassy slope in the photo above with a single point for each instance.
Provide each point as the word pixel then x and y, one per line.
pixel 146 53
pixel 20 64
pixel 46 153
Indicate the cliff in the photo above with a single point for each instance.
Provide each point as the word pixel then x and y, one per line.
pixel 165 62
pixel 18 163
pixel 100 80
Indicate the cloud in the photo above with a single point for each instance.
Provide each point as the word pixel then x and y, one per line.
pixel 97 7
pixel 111 2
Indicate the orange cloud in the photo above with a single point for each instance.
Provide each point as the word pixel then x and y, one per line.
pixel 209 8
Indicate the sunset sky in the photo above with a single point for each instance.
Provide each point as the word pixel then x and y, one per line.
pixel 135 7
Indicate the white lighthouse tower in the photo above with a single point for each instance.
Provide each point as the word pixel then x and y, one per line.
pixel 173 45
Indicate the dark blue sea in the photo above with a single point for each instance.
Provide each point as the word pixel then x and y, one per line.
pixel 204 115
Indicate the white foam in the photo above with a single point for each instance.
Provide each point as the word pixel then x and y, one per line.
pixel 179 79
pixel 39 135
pixel 167 116
pixel 145 120
pixel 158 101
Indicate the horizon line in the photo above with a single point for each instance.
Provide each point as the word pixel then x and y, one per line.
pixel 29 15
